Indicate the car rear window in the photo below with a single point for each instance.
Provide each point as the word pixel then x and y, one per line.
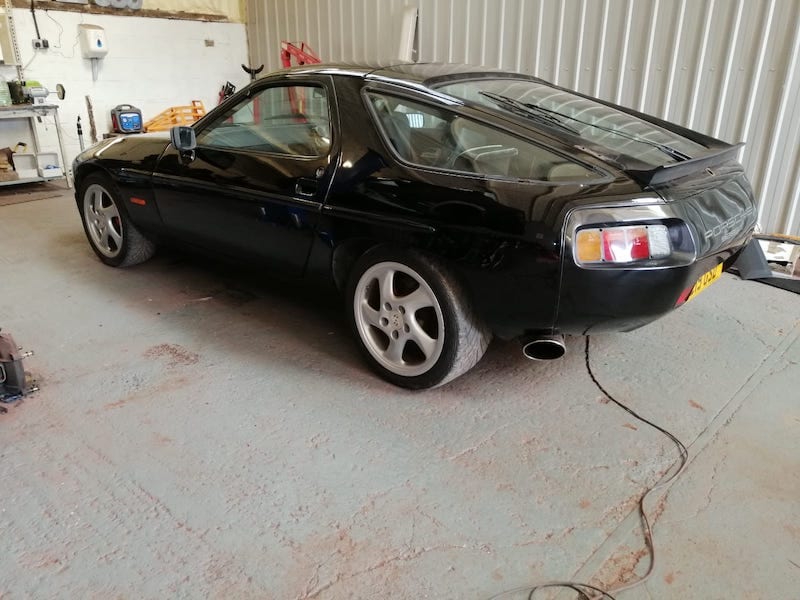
pixel 597 123
pixel 434 137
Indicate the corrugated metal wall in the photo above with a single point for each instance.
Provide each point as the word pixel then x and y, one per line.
pixel 729 68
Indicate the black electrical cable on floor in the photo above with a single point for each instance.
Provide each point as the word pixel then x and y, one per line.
pixel 590 592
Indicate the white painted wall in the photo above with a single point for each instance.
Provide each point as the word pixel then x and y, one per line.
pixel 152 64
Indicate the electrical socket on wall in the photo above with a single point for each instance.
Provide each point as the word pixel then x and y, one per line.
pixel 40 44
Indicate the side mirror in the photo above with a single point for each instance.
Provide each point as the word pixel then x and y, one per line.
pixel 183 138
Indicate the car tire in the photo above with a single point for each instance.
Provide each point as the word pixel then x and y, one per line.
pixel 109 229
pixel 412 318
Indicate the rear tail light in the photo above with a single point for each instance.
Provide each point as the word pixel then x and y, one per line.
pixel 620 245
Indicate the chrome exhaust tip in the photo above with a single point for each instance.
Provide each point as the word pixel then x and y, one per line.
pixel 543 347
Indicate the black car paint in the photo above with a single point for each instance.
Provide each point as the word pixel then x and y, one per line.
pixel 503 237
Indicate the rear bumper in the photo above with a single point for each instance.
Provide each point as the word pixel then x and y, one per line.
pixel 526 296
pixel 717 211
pixel 710 218
pixel 594 301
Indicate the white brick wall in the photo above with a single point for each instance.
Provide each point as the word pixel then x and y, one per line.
pixel 152 64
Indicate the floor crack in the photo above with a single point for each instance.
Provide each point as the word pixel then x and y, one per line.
pixel 475 447
pixel 411 554
pixel 707 500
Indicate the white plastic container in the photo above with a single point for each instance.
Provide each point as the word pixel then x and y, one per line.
pixel 25 164
pixel 47 163
pixel 93 41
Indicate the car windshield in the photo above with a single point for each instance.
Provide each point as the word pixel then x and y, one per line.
pixel 598 124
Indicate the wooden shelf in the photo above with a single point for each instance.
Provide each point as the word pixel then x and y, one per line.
pixel 29 113
pixel 127 12
pixel 30 180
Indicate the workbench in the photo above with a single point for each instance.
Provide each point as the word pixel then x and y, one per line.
pixel 32 113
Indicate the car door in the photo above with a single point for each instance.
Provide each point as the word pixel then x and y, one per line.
pixel 254 185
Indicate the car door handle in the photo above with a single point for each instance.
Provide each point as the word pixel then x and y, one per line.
pixel 305 186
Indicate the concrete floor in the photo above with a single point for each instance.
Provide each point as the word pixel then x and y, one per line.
pixel 202 433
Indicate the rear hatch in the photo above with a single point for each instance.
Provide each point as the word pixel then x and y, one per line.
pixel 718 204
pixel 698 174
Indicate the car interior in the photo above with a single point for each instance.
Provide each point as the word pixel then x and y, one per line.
pixel 283 120
pixel 431 137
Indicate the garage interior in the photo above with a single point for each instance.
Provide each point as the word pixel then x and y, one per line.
pixel 205 430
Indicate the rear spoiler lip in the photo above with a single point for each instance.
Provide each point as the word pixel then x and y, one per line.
pixel 666 173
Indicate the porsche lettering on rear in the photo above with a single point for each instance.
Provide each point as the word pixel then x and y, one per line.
pixel 732 227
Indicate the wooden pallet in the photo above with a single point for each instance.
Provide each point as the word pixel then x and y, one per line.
pixel 176 115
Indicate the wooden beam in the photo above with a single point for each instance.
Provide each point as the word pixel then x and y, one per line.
pixel 93 9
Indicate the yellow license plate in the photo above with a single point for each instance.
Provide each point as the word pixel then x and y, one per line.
pixel 706 279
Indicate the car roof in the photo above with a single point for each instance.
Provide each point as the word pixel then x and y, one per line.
pixel 412 74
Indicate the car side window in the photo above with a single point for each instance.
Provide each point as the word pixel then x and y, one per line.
pixel 289 119
pixel 435 137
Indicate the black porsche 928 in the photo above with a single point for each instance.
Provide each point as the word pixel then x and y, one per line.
pixel 448 203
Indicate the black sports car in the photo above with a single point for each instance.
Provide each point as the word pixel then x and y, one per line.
pixel 448 203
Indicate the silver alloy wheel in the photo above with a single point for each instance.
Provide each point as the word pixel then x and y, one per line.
pixel 399 318
pixel 102 220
